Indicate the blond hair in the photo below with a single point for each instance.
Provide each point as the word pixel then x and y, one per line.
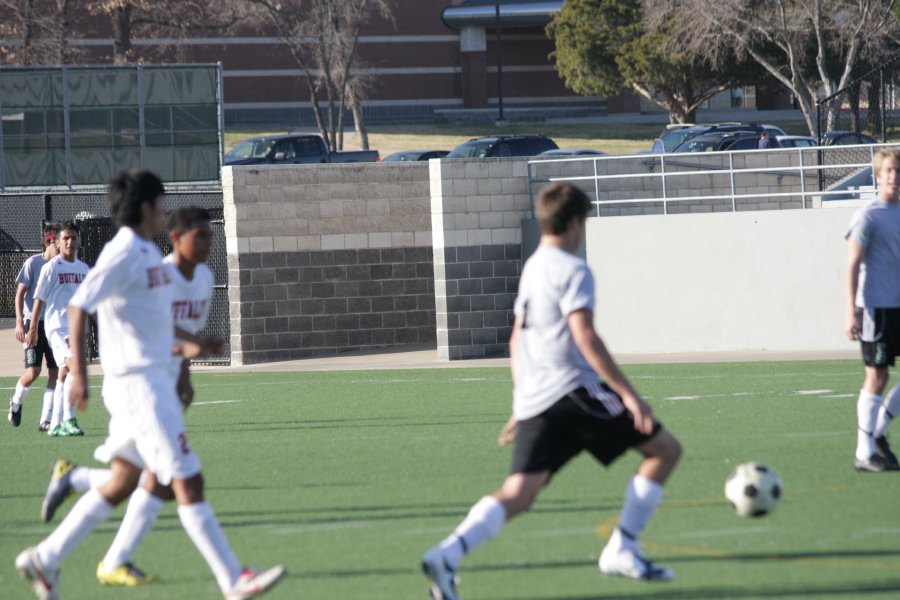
pixel 883 154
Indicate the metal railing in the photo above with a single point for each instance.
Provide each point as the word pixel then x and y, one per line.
pixel 715 181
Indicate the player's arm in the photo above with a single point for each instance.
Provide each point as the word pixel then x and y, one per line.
pixel 77 330
pixel 581 324
pixel 21 290
pixel 854 261
pixel 508 433
pixel 31 337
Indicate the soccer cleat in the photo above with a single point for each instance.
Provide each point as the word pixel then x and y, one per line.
pixel 71 428
pixel 442 578
pixel 58 490
pixel 628 562
pixel 873 464
pixel 44 426
pixel 15 414
pixel 127 574
pixel 883 449
pixel 252 583
pixel 45 583
pixel 55 431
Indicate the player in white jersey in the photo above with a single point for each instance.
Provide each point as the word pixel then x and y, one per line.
pixel 60 278
pixel 130 290
pixel 873 311
pixel 561 406
pixel 192 282
pixel 26 282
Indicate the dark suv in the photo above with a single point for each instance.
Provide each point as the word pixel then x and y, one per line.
pixel 714 142
pixel 503 145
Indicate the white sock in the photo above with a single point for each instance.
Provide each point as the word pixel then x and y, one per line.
pixel 143 508
pixel 201 525
pixel 19 394
pixel 484 522
pixel 56 413
pixel 641 499
pixel 90 510
pixel 890 408
pixel 68 409
pixel 48 404
pixel 85 478
pixel 866 414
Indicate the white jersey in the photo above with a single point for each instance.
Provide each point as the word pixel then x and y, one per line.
pixel 548 364
pixel 130 289
pixel 876 226
pixel 57 283
pixel 191 300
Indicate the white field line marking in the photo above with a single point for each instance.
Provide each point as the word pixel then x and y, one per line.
pixel 812 392
pixel 841 396
pixel 732 375
pixel 699 396
pixel 214 402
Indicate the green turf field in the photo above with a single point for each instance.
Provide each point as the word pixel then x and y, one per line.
pixel 348 477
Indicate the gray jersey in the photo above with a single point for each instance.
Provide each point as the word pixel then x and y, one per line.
pixel 28 276
pixel 548 365
pixel 876 227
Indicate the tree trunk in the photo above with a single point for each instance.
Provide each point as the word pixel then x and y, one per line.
pixel 121 34
pixel 873 118
pixel 27 32
pixel 62 13
pixel 359 120
pixel 853 95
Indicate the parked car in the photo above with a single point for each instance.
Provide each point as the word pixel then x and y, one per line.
pixel 796 141
pixel 846 138
pixel 716 142
pixel 503 145
pixel 570 153
pixel 674 136
pixel 413 155
pixel 292 149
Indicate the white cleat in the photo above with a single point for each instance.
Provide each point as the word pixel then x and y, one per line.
pixel 45 583
pixel 441 577
pixel 628 562
pixel 253 583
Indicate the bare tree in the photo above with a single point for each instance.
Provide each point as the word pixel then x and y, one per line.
pixel 812 47
pixel 32 35
pixel 323 39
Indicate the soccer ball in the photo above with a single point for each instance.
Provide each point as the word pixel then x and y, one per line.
pixel 753 489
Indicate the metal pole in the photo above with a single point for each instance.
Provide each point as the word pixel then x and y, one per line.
pixel 662 171
pixel 142 125
pixel 68 130
pixel 2 156
pixel 802 178
pixel 499 61
pixel 596 188
pixel 821 174
pixel 731 169
pixel 883 107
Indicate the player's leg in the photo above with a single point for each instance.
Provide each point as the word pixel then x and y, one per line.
pixel 69 422
pixel 143 508
pixel 482 523
pixel 40 564
pixel 66 479
pixel 45 353
pixel 889 409
pixel 23 385
pixel 868 405
pixel 622 554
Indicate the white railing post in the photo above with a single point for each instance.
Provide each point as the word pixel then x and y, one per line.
pixel 802 178
pixel 733 192
pixel 662 171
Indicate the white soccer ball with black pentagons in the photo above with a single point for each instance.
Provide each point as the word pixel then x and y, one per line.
pixel 753 489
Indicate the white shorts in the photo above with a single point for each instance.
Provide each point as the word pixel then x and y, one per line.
pixel 59 345
pixel 146 425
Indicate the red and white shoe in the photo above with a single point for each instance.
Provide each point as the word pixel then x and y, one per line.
pixel 44 582
pixel 252 583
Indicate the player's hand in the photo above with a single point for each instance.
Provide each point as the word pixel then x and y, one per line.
pixel 188 350
pixel 641 411
pixel 508 433
pixel 20 333
pixel 79 393
pixel 853 327
pixel 31 338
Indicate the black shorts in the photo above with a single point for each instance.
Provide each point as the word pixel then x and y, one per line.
pixel 576 422
pixel 880 336
pixel 35 356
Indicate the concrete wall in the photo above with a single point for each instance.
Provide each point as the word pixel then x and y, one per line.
pixel 721 282
pixel 327 258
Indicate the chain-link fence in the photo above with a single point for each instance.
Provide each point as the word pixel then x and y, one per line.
pixel 22 217
pixel 865 111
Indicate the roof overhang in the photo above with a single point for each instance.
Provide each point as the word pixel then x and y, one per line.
pixel 483 13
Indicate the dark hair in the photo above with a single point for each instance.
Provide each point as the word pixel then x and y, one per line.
pixel 186 218
pixel 49 231
pixel 131 189
pixel 557 204
pixel 71 226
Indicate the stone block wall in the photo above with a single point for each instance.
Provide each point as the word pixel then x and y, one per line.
pixel 327 258
pixel 477 207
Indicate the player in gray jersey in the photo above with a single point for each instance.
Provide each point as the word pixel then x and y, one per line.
pixel 873 311
pixel 561 405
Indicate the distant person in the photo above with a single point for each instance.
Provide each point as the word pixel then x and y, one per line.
pixel 767 142
pixel 60 278
pixel 561 406
pixel 26 283
pixel 873 311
